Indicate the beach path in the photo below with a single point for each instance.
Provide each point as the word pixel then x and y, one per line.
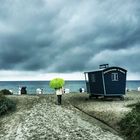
pixel 43 119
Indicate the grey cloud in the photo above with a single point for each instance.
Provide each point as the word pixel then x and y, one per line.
pixel 68 36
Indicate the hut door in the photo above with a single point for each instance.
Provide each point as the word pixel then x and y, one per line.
pixel 114 83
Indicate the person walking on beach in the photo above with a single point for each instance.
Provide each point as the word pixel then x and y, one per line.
pixel 57 84
pixel 59 93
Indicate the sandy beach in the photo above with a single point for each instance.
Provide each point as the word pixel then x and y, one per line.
pixel 38 117
pixel 110 111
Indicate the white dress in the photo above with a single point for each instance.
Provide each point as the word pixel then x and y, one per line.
pixel 59 91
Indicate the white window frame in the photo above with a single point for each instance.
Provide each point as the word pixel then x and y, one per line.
pixel 114 76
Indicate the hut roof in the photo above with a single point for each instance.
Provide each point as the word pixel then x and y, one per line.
pixel 108 69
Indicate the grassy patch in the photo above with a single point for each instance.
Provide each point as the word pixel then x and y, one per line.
pixel 5 92
pixel 130 124
pixel 6 105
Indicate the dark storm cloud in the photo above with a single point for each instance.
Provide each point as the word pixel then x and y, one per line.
pixel 68 36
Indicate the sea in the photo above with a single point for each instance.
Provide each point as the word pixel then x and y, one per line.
pixel 73 86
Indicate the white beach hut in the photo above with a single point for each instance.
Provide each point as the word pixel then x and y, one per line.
pixel 67 90
pixel 138 88
pixel 39 91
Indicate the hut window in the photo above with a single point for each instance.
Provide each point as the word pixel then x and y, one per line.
pixel 93 78
pixel 114 77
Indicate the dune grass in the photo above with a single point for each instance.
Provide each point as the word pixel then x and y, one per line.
pixel 6 105
pixel 130 124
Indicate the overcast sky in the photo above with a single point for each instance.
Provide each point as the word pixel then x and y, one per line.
pixel 64 37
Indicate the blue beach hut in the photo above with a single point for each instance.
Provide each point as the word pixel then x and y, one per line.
pixel 107 81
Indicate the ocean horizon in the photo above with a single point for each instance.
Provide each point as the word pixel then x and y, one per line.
pixel 72 85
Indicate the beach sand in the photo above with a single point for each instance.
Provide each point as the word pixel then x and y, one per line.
pixel 39 118
pixel 110 110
